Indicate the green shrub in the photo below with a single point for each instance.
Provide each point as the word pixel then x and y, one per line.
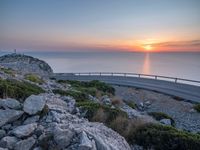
pixel 131 104
pixel 161 137
pixel 18 89
pixel 160 115
pixel 197 107
pixel 101 86
pixel 93 108
pixel 8 71
pixel 77 95
pixel 34 78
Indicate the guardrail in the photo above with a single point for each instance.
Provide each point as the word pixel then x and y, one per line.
pixel 139 75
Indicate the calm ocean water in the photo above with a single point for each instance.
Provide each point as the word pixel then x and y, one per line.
pixel 183 65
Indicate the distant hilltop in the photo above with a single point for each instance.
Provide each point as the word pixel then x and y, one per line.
pixel 25 64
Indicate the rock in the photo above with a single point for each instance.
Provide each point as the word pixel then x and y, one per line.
pixel 26 144
pixel 56 104
pixel 147 103
pixel 39 130
pixel 63 137
pixel 10 103
pixel 34 104
pixel 32 119
pixel 3 148
pixel 85 143
pixel 93 99
pixel 6 127
pixel 37 148
pixel 25 64
pixel 106 100
pixel 166 121
pixel 24 130
pixel 9 115
pixel 2 133
pixel 70 103
pixel 8 142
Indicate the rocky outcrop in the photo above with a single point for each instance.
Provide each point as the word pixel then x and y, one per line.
pixel 25 64
pixel 57 127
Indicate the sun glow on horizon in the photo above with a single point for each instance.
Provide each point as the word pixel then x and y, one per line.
pixel 148 47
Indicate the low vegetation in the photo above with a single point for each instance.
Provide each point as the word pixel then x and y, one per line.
pixel 92 87
pixel 34 78
pixel 132 104
pixel 77 95
pixel 100 113
pixel 8 71
pixel 161 137
pixel 158 137
pixel 18 89
pixel 197 107
pixel 160 115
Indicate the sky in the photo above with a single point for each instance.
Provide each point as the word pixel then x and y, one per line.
pixel 100 25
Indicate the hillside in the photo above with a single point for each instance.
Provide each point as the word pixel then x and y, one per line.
pixel 39 113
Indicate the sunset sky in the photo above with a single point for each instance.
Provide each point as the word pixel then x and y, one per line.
pixel 100 25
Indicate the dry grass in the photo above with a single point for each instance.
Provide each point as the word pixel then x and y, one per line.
pixel 99 116
pixel 116 101
pixel 126 127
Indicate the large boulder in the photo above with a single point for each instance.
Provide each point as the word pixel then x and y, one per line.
pixel 25 64
pixel 34 104
pixel 25 144
pixel 8 142
pixel 9 115
pixel 10 103
pixel 24 130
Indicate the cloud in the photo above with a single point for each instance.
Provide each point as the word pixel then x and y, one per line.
pixel 176 44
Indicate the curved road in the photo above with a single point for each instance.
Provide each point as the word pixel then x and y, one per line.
pixel 186 92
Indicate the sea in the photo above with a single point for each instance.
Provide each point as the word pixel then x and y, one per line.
pixel 173 64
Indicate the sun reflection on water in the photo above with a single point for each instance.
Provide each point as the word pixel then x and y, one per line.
pixel 146 64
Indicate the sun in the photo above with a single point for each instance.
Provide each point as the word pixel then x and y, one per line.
pixel 148 47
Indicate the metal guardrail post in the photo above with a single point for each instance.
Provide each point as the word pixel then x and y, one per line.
pixel 176 80
pixel 139 75
pixel 156 77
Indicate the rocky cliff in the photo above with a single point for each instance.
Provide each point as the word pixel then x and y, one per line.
pixel 25 64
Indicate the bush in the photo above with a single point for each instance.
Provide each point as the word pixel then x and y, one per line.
pixel 161 137
pixel 8 71
pixel 160 115
pixel 116 101
pixel 197 107
pixel 125 127
pixel 77 95
pixel 132 104
pixel 34 78
pixel 94 109
pixel 18 89
pixel 101 86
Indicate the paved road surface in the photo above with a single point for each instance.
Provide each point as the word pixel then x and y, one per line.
pixel 189 93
